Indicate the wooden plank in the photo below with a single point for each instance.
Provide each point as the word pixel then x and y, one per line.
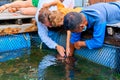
pixel 9 23
pixel 6 15
pixel 14 29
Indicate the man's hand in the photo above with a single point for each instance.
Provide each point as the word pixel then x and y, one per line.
pixel 60 50
pixel 79 44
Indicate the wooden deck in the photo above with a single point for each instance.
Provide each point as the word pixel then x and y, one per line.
pixel 6 15
pixel 13 23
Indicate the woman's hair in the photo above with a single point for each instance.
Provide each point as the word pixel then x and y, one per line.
pixel 43 14
pixel 56 18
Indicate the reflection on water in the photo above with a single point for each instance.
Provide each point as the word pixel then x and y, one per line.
pixel 42 65
pixel 46 62
pixel 69 68
pixel 51 60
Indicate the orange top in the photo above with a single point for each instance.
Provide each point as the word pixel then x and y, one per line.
pixel 64 10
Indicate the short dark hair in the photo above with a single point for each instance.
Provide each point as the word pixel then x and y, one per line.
pixel 72 20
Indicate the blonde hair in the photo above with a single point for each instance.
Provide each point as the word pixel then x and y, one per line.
pixel 56 17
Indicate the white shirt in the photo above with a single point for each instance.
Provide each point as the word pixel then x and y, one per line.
pixel 42 29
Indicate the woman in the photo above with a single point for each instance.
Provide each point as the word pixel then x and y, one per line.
pixel 27 7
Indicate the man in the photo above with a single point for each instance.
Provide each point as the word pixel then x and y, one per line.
pixel 43 29
pixel 95 16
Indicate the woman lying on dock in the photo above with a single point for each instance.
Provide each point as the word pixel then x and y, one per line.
pixel 27 7
pixel 55 18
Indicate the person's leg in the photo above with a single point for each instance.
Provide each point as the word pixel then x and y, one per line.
pixel 20 4
pixel 16 4
pixel 28 11
pixel 12 9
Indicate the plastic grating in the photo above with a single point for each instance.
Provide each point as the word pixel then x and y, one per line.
pixel 14 42
pixel 57 37
pixel 107 55
pixel 13 54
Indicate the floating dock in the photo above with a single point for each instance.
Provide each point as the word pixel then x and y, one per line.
pixel 14 23
pixel 14 31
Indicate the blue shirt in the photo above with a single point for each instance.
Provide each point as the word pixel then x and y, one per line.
pixel 98 15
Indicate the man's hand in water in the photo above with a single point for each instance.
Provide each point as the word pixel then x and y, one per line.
pixel 60 50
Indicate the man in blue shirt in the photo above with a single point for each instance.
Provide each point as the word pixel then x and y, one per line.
pixel 95 16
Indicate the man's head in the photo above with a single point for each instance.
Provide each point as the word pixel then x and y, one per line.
pixel 75 22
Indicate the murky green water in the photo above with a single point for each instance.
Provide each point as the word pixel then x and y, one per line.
pixel 43 65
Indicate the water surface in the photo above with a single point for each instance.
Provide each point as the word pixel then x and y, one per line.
pixel 36 64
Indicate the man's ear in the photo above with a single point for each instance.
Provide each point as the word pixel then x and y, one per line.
pixel 86 22
pixel 81 26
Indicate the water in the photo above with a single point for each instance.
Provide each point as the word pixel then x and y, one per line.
pixel 36 64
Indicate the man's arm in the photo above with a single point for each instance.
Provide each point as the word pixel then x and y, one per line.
pixel 98 36
pixel 79 44
pixel 96 41
pixel 68 43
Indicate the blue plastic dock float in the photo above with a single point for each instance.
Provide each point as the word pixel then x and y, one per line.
pixel 13 54
pixel 14 42
pixel 107 55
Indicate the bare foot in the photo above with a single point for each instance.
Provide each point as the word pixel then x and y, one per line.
pixel 12 9
pixel 2 8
